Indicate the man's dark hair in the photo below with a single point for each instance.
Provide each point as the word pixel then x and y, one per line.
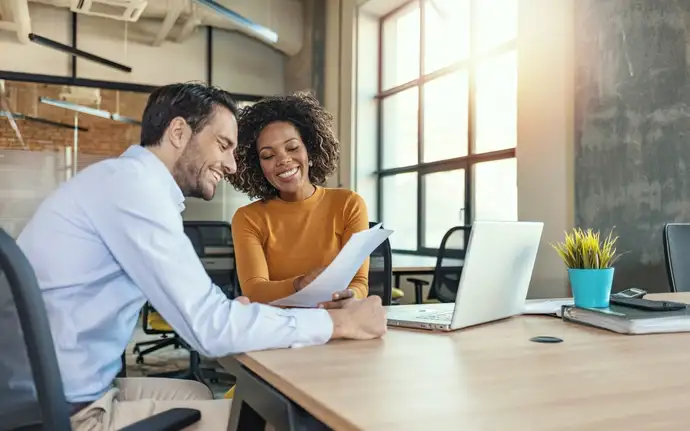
pixel 312 121
pixel 195 102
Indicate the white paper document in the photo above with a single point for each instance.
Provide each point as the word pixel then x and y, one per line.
pixel 338 275
pixel 546 306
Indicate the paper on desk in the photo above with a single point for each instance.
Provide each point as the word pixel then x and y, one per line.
pixel 546 306
pixel 338 275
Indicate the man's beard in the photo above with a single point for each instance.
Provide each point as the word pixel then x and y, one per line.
pixel 186 173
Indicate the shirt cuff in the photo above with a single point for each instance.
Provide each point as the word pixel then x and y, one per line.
pixel 312 327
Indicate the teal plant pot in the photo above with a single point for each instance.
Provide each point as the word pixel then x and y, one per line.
pixel 591 287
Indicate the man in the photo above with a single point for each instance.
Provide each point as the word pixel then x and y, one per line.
pixel 111 238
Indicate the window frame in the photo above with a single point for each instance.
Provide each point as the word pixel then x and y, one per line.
pixel 424 168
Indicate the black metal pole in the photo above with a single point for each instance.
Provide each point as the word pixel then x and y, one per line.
pixel 74 44
pixel 209 55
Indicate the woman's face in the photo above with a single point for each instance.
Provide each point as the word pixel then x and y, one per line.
pixel 284 160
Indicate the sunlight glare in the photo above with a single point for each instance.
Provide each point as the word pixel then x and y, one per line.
pixel 447 38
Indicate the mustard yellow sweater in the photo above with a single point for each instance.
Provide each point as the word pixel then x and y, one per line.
pixel 276 241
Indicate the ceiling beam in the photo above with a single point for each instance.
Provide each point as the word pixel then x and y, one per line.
pixel 20 12
pixel 192 22
pixel 169 22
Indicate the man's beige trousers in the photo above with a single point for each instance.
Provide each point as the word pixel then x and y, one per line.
pixel 133 399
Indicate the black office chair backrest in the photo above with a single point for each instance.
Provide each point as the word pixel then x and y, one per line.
pixel 31 391
pixel 381 271
pixel 676 241
pixel 210 233
pixel 449 264
pixel 212 241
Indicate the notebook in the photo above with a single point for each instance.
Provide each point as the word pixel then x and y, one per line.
pixel 626 320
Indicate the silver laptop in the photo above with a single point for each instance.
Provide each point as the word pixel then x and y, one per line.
pixel 493 285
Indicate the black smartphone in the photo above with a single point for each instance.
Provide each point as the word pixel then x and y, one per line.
pixel 648 305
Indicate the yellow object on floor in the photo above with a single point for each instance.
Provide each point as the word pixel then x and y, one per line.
pixel 230 394
pixel 397 293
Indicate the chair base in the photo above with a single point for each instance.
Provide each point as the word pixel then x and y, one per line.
pixel 155 346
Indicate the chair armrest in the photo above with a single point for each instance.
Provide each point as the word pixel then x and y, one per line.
pixel 170 420
pixel 418 282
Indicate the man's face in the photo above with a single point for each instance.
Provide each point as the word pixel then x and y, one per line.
pixel 208 156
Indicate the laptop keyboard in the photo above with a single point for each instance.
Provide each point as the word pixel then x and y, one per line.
pixel 439 315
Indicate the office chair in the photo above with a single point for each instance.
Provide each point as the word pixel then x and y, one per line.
pixel 153 324
pixel 200 235
pixel 212 241
pixel 676 241
pixel 381 271
pixel 31 391
pixel 446 279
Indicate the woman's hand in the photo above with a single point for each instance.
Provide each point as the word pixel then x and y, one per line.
pixel 305 280
pixel 339 299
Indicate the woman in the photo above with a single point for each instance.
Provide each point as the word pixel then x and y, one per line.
pixel 286 150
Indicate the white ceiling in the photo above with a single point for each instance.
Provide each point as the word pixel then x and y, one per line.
pixel 284 17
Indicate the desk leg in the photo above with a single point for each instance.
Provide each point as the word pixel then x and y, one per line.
pixel 256 403
pixel 243 416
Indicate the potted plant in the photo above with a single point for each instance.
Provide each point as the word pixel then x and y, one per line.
pixel 589 260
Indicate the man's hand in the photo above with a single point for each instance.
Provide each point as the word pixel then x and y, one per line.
pixel 359 319
pixel 304 280
pixel 339 299
pixel 243 300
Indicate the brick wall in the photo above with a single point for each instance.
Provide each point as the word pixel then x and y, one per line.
pixel 104 138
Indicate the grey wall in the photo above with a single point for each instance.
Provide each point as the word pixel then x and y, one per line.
pixel 632 150
pixel 305 70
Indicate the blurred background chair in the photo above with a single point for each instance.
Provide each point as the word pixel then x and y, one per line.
pixel 212 241
pixel 676 241
pixel 153 324
pixel 31 391
pixel 449 264
pixel 381 271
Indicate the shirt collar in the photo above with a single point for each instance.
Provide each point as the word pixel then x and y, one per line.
pixel 159 170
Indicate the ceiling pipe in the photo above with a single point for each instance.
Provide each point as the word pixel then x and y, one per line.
pixel 258 30
pixel 22 19
pixel 169 22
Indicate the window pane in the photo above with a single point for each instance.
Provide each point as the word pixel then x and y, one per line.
pixel 401 54
pixel 496 103
pixel 400 127
pixel 495 190
pixel 447 33
pixel 444 204
pixel 446 117
pixel 399 193
pixel 496 23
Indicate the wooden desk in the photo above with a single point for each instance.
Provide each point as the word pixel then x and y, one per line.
pixel 490 377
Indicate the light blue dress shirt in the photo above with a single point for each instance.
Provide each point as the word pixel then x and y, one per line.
pixel 111 238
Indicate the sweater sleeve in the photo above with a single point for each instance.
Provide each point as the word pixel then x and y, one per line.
pixel 356 220
pixel 252 269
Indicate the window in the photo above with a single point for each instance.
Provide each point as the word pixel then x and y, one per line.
pixel 447 101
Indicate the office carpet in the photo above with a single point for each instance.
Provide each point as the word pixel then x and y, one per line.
pixel 166 359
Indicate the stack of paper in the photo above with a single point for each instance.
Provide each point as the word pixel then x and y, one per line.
pixel 546 306
pixel 628 320
pixel 338 275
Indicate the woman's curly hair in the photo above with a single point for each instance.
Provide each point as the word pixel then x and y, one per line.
pixel 314 125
